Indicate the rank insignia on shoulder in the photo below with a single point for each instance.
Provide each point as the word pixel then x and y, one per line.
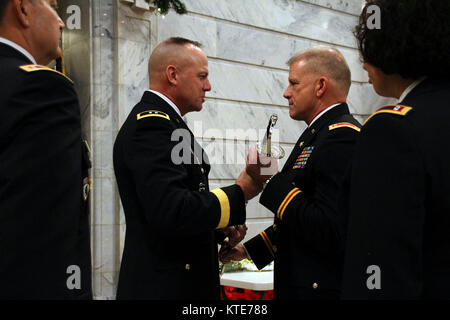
pixel 344 125
pixel 392 109
pixel 152 113
pixel 37 67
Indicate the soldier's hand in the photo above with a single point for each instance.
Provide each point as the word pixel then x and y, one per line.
pixel 235 234
pixel 260 167
pixel 250 187
pixel 237 253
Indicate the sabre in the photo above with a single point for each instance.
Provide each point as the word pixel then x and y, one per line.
pixel 267 140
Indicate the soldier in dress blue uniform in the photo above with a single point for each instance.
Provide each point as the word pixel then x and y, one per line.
pixel 398 244
pixel 174 222
pixel 44 227
pixel 306 239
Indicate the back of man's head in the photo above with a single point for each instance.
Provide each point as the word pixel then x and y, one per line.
pixel 328 62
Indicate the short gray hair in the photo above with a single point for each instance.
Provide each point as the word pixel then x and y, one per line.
pixel 326 61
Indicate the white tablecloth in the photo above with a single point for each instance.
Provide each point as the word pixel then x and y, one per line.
pixel 259 281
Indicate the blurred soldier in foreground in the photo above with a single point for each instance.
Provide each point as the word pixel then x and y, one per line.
pixel 398 240
pixel 44 229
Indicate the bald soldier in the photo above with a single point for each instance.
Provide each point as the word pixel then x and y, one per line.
pixel 306 239
pixel 174 221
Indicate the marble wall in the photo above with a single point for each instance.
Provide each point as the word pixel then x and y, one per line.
pixel 247 44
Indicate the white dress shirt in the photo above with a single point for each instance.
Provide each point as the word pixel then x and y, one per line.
pixel 323 111
pixel 410 88
pixel 159 94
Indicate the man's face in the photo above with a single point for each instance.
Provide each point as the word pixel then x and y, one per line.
pixel 46 27
pixel 193 81
pixel 300 92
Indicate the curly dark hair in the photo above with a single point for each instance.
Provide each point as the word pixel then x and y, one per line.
pixel 414 38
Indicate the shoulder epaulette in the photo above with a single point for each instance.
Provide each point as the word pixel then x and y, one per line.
pixel 37 67
pixel 152 113
pixel 392 109
pixel 344 125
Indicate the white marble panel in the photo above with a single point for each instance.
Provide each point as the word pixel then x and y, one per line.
pixel 222 119
pixel 133 29
pixel 129 96
pixel 349 6
pixel 191 27
pixel 103 60
pixel 363 100
pixel 103 18
pixel 105 285
pixel 133 63
pixel 106 250
pixel 288 16
pixel 102 150
pixel 246 83
pixel 105 201
pixel 109 282
pixel 103 114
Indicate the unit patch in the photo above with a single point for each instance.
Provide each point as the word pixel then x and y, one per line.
pixel 392 109
pixel 303 158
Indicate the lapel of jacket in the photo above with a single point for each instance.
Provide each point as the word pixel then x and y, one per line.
pixel 311 132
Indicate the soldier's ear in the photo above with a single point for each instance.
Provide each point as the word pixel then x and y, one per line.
pixel 172 74
pixel 22 10
pixel 321 86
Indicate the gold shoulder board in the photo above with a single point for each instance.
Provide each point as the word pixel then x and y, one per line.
pixel 152 113
pixel 37 67
pixel 392 109
pixel 344 125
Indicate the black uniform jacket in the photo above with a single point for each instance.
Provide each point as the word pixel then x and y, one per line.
pixel 44 226
pixel 398 238
pixel 171 216
pixel 306 237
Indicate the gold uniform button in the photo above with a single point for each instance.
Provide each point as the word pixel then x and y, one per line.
pixel 313 130
pixel 203 170
pixel 188 266
pixel 315 285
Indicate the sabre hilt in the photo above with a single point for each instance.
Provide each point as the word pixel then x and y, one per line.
pixel 272 121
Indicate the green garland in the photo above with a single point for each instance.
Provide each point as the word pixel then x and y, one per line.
pixel 165 5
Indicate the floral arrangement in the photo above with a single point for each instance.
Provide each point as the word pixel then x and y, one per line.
pixel 232 293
